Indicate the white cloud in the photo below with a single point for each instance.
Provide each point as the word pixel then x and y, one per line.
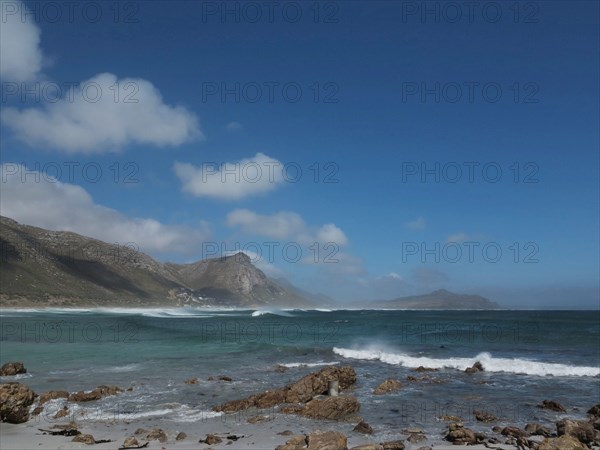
pixel 281 225
pixel 233 126
pixel 103 114
pixel 417 224
pixel 231 181
pixel 458 238
pixel 53 205
pixel 285 225
pixel 20 53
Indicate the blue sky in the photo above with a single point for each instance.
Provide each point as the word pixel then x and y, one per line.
pixel 378 104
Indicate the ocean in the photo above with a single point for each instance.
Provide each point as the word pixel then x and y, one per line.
pixel 528 357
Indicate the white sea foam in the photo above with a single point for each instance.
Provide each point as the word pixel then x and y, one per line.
pixel 292 365
pixel 490 363
pixel 275 312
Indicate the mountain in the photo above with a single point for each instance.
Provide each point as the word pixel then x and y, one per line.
pixel 39 267
pixel 440 299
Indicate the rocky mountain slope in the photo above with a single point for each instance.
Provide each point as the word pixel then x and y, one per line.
pixel 54 268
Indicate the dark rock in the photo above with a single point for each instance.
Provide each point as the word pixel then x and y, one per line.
pixel 211 439
pixel 594 411
pixel 513 432
pixel 258 419
pixel 393 445
pixel 180 436
pixel 294 443
pixel 328 440
pixel 61 413
pixel 87 439
pixel 332 408
pixel 301 391
pixel 12 368
pixel 94 394
pixel 387 387
pixel 477 367
pixel 413 438
pixel 535 429
pixel 424 369
pixel 363 427
pixel 447 418
pixel 285 433
pixel 157 434
pixel 191 381
pixel 280 369
pixel 368 447
pixel 582 431
pixel 130 442
pixel 562 443
pixel 483 416
pixel 459 435
pixel 51 395
pixel 552 406
pixel 15 400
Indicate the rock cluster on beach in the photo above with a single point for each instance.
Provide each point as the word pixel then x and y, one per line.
pixel 308 397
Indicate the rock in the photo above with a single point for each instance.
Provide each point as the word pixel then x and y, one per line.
pixel 285 433
pixel 51 395
pixel 220 378
pixel 562 443
pixel 483 416
pixel 447 418
pixel 459 435
pixel 130 442
pixel 12 368
pixel 180 436
pixel 413 438
pixel 535 429
pixel 582 431
pixel 191 381
pixel 424 369
pixel 295 443
pixel 37 410
pixel 513 432
pixel 332 408
pixel 94 394
pixel 15 400
pixel 594 411
pixel 328 440
pixel 301 391
pixel 61 413
pixel 258 419
pixel 140 431
pixel 368 447
pixel 280 369
pixel 363 427
pixel 552 406
pixel 158 434
pixel 387 386
pixel 211 439
pixel 477 367
pixel 392 445
pixel 87 439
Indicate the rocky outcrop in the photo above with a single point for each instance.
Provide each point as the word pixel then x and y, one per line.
pixel 51 395
pixel 477 367
pixel 582 431
pixel 12 368
pixel 388 386
pixel 483 416
pixel 535 429
pixel 211 439
pixel 459 435
pixel 15 400
pixel 301 391
pixel 331 408
pixel 87 439
pixel 94 394
pixel 562 443
pixel 363 427
pixel 552 406
pixel 327 440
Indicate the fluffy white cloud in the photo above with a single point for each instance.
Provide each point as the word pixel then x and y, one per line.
pixel 231 181
pixel 417 224
pixel 285 225
pixel 20 53
pixel 233 126
pixel 103 114
pixel 458 238
pixel 50 204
